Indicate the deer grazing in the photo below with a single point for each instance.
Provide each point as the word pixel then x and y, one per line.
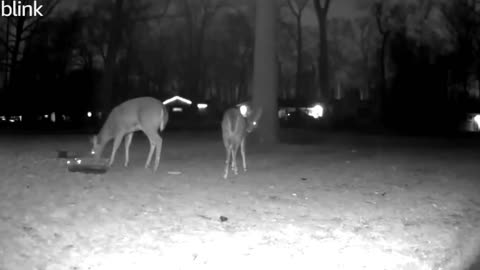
pixel 235 128
pixel 146 114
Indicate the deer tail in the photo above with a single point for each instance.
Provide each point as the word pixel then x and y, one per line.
pixel 164 117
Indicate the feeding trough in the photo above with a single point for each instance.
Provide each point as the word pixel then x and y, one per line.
pixel 88 165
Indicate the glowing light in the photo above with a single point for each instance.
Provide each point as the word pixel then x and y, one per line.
pixel 3 118
pixel 68 162
pixel 46 116
pixel 177 109
pixel 316 111
pixel 79 161
pixel 476 119
pixel 179 98
pixel 244 110
pixel 202 106
pixel 89 114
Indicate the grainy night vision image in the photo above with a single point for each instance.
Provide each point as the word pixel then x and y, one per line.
pixel 239 134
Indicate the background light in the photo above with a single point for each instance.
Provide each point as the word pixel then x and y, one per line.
pixel 316 111
pixel 202 106
pixel 476 119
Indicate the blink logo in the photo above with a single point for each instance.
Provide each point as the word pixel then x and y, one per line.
pixel 17 8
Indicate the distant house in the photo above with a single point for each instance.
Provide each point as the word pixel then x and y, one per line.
pixel 184 112
pixel 177 103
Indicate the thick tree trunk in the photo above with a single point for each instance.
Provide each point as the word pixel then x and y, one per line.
pixel 265 71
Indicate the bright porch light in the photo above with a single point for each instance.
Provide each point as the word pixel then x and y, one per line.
pixel 316 111
pixel 202 106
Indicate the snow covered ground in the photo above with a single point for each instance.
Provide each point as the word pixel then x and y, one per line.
pixel 344 202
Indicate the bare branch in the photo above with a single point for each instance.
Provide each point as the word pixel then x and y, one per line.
pixel 290 31
pixel 292 5
pixel 327 5
pixel 378 10
pixel 34 21
pixel 321 9
pixel 6 45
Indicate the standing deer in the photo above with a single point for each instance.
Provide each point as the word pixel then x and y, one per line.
pixel 235 128
pixel 146 114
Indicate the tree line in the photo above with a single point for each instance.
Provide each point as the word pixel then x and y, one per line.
pixel 416 54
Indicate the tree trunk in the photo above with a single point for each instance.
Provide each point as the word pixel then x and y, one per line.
pixel 20 23
pixel 7 66
pixel 323 69
pixel 382 97
pixel 299 72
pixel 265 71
pixel 106 91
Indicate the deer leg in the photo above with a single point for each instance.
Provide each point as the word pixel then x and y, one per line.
pixel 128 141
pixel 150 153
pixel 158 152
pixel 116 144
pixel 242 152
pixel 153 139
pixel 227 160
pixel 234 157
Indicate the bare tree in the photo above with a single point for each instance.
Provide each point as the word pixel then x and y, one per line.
pixel 462 24
pixel 198 16
pixel 296 8
pixel 365 38
pixel 229 57
pixel 381 18
pixel 321 11
pixel 113 45
pixel 16 32
pixel 121 17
